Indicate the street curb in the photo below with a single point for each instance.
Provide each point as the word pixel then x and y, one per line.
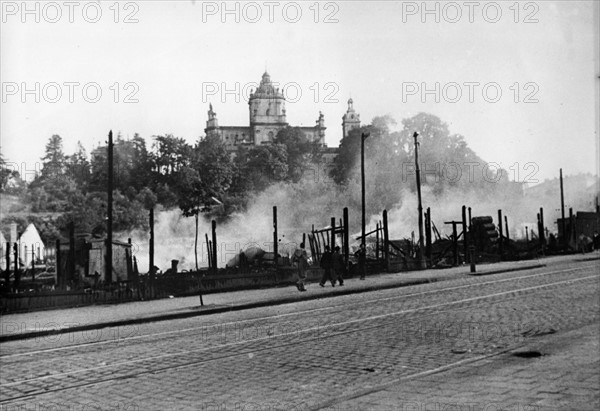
pixel 229 308
pixel 509 270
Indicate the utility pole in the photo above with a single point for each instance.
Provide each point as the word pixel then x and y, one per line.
pixel 420 207
pixel 109 228
pixel 562 212
pixel 362 182
pixel 275 237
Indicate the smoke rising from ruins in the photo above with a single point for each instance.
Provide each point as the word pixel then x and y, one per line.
pixel 316 200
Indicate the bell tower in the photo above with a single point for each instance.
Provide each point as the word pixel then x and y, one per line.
pixel 267 110
pixel 350 120
pixel 212 124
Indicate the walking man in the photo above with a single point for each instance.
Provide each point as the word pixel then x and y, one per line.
pixel 300 260
pixel 338 266
pixel 327 265
pixel 361 255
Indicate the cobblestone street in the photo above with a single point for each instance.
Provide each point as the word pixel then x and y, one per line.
pixel 448 344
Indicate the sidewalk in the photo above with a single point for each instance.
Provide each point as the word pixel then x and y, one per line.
pixel 40 323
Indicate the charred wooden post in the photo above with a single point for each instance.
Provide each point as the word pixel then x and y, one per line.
pixel 465 234
pixel 527 234
pixel 311 240
pixel 275 237
pixel 542 233
pixel 16 257
pixel 109 227
pixel 71 260
pixel 200 289
pixel 332 233
pixel 572 230
pixel 506 229
pixel 428 236
pixel 196 241
pixel 7 271
pixel 564 240
pixel 454 240
pixel 317 242
pixel 471 235
pixel 341 231
pixel 32 262
pixel 129 260
pixel 346 236
pixel 377 242
pixel 386 241
pixel 214 245
pixel 342 238
pixel 455 243
pixel 151 247
pixel 304 239
pixel 500 237
pixel 539 226
pixel 60 279
pixel 208 251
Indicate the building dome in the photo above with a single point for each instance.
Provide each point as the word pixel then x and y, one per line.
pixel 266 89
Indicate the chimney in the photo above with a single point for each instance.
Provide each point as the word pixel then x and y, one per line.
pixel 174 266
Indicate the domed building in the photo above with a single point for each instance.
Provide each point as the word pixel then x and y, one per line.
pixel 267 115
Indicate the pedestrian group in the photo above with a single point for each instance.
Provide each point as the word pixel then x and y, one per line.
pixel 332 263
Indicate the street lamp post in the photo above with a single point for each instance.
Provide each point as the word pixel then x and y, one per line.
pixel 362 182
pixel 420 207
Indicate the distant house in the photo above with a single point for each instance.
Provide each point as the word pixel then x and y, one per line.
pixel 31 245
pixel 90 261
pixel 2 251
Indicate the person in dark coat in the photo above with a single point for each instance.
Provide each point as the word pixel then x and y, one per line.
pixel 327 265
pixel 339 267
pixel 361 255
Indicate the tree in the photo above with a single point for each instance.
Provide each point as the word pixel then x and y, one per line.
pixel 346 163
pixel 446 159
pixel 141 162
pixel 257 167
pixel 6 174
pixel 54 160
pixel 78 167
pixel 202 183
pixel 171 154
pixel 300 151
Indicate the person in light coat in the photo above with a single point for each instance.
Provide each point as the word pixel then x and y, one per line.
pixel 300 261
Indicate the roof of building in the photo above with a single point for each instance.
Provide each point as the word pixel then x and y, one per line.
pixel 266 89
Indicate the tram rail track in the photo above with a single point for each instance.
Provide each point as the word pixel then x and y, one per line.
pixel 303 312
pixel 382 320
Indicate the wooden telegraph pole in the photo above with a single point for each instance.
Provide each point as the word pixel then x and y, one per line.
pixel 109 227
pixel 363 137
pixel 420 206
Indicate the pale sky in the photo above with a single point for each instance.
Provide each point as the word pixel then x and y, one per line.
pixel 379 53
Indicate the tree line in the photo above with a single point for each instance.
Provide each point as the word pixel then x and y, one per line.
pixel 205 178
